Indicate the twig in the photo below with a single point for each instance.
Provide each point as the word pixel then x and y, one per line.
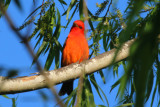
pixel 41 8
pixel 146 10
pixel 81 79
pixel 107 11
pixel 31 53
pixel 80 89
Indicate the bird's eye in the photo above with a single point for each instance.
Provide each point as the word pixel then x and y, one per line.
pixel 80 27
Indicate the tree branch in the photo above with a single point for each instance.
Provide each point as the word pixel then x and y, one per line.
pixel 73 71
pixel 22 80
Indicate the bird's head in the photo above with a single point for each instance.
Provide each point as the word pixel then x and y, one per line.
pixel 78 24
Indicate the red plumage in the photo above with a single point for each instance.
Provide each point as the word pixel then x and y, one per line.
pixel 75 49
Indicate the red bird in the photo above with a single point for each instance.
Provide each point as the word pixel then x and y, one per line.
pixel 75 49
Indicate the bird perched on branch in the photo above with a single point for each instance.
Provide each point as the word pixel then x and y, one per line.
pixel 75 49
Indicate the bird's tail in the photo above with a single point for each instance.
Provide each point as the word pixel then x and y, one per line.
pixel 67 87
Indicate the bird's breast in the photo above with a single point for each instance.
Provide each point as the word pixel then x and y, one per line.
pixel 75 50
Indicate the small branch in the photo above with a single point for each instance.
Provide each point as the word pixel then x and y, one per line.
pixel 10 22
pixel 24 39
pixel 80 89
pixel 42 8
pixel 73 71
pixel 107 10
pixel 81 79
pixel 142 11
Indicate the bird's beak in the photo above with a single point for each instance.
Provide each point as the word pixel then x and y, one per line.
pixel 75 25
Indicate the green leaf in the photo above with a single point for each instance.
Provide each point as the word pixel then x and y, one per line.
pixel 43 95
pixel 33 12
pixel 40 50
pixel 70 96
pixel 81 9
pixel 90 13
pixel 149 84
pixel 115 68
pixel 74 99
pixel 57 53
pixel 116 84
pixel 71 5
pixel 102 76
pixel 71 16
pixel 38 41
pixel 6 4
pixel 18 4
pixel 93 80
pixel 63 2
pixel 127 104
pixel 58 26
pixel 13 102
pixel 105 42
pixel 50 58
pixel 58 44
pixel 61 100
pixel 44 25
pixel 6 96
pixel 87 96
pixel 45 5
pixel 153 96
pixel 91 25
pixel 46 50
pixel 34 33
pixel 101 105
pixel 26 23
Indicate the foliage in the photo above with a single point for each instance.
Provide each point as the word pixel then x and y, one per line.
pixel 111 30
pixel 5 3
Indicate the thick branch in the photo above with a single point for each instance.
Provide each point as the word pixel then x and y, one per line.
pixel 73 71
